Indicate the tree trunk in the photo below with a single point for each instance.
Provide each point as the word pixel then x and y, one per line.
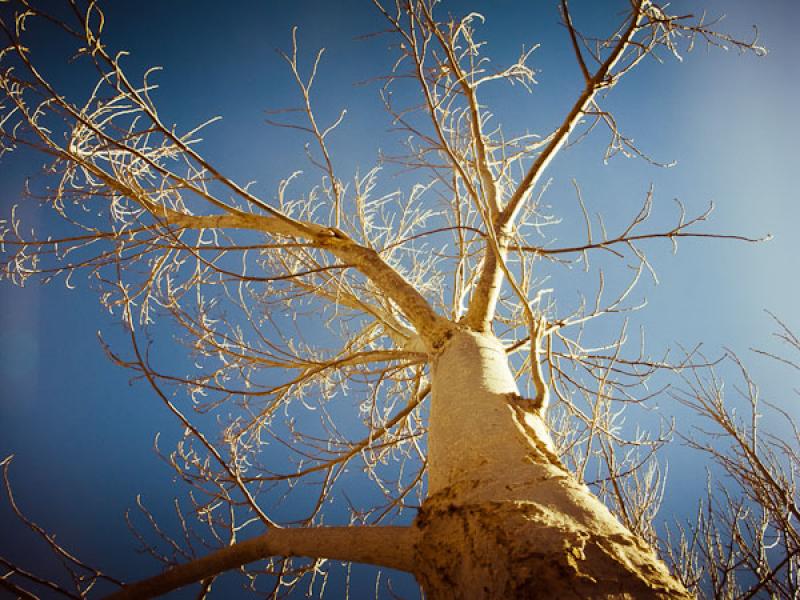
pixel 504 518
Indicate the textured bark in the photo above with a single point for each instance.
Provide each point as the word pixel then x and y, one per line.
pixel 504 518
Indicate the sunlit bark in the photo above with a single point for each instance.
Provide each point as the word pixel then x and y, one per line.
pixel 413 289
pixel 383 546
pixel 505 518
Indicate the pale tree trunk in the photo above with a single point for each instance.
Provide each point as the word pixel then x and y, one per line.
pixel 504 518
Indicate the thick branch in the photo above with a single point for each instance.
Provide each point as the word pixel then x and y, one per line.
pixel 603 78
pixel 391 547
pixel 484 300
pixel 430 326
pixel 416 309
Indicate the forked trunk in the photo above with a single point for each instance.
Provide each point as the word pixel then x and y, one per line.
pixel 504 518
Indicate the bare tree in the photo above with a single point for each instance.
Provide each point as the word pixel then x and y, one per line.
pixel 745 540
pixel 442 370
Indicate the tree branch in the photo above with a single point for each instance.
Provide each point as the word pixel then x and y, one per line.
pixel 484 300
pixel 573 35
pixel 415 308
pixel 391 547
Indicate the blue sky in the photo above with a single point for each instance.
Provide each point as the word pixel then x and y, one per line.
pixel 82 433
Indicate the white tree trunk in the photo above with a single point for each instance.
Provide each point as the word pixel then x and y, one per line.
pixel 504 518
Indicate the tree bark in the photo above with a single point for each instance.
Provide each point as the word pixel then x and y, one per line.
pixel 504 518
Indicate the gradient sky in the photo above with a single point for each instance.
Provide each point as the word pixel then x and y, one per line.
pixel 82 434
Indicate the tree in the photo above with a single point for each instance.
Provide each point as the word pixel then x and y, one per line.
pixel 434 308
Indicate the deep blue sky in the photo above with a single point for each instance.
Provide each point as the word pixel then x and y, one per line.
pixel 82 435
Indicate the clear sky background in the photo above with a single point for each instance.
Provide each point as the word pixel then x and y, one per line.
pixel 82 435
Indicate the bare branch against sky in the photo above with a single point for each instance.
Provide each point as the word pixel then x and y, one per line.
pixel 401 323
